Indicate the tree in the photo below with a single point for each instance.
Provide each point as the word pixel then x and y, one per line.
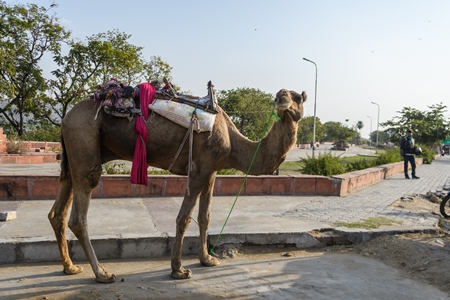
pixel 157 68
pixel 383 137
pixel 89 64
pixel 429 127
pixel 27 32
pixel 359 126
pixel 337 132
pixel 248 108
pixel 305 130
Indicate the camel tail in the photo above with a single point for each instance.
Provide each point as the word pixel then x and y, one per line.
pixel 65 170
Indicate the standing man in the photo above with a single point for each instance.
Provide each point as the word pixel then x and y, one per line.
pixel 407 149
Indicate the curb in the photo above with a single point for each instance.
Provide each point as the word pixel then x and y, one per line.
pixel 33 251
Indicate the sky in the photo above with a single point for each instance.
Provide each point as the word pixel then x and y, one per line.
pixel 393 53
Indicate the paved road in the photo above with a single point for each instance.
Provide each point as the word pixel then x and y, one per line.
pixel 295 154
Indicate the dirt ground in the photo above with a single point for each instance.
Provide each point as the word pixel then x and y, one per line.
pixel 423 256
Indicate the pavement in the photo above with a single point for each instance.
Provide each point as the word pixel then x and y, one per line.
pixel 137 228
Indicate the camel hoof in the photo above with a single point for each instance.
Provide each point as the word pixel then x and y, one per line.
pixel 72 270
pixel 211 262
pixel 106 278
pixel 181 274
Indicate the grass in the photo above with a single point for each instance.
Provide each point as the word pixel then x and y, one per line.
pixel 290 168
pixel 370 223
pixel 353 159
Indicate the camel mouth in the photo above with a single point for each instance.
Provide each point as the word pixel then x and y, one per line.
pixel 283 105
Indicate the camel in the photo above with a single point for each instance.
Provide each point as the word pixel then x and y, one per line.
pixel 88 143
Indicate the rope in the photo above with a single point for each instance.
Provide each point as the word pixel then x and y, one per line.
pixel 190 133
pixel 245 178
pixel 181 147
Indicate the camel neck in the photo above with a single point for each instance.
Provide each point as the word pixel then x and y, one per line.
pixel 272 151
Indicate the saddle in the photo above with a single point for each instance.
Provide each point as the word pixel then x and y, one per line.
pixel 207 103
pixel 120 100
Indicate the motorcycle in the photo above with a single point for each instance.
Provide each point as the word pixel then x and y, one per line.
pixel 445 206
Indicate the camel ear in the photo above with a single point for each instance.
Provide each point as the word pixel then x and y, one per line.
pixel 299 98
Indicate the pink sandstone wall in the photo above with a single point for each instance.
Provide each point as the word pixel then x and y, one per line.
pixel 34 187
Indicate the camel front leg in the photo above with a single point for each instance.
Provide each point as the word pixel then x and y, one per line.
pixel 204 218
pixel 183 221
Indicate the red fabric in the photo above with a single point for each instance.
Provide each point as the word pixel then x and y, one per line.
pixel 139 168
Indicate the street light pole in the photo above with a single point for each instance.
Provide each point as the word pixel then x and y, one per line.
pixel 315 101
pixel 370 137
pixel 378 121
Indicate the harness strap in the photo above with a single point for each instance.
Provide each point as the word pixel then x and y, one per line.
pixel 189 133
pixel 98 109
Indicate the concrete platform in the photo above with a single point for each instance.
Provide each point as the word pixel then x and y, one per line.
pixel 145 226
pixel 138 233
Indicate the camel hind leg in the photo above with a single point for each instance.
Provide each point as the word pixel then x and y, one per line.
pixel 198 183
pixel 204 219
pixel 58 217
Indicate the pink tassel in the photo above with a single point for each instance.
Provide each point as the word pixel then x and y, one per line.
pixel 139 167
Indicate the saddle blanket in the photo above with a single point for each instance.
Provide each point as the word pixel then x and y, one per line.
pixel 182 114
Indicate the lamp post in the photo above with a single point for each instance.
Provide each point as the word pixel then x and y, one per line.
pixel 315 101
pixel 370 138
pixel 378 121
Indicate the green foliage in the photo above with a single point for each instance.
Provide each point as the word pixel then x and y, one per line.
pixel 15 145
pixel 157 68
pixel 370 223
pixel 248 108
pixel 359 125
pixel 388 156
pixel 90 63
pixel 360 164
pixel 27 33
pixel 42 133
pixel 429 127
pixel 229 172
pixel 427 155
pixel 337 132
pixel 305 130
pixel 325 164
pixel 153 171
pixel 383 137
pixel 114 168
pixel 289 167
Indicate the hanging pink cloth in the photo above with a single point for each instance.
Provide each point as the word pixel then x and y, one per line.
pixel 139 168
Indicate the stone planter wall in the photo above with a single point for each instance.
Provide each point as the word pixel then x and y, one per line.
pixel 34 187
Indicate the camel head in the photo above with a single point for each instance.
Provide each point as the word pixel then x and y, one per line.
pixel 291 103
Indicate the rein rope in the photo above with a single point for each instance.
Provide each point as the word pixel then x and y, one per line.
pixel 272 114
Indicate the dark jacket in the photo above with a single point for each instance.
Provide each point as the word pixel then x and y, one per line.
pixel 405 145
